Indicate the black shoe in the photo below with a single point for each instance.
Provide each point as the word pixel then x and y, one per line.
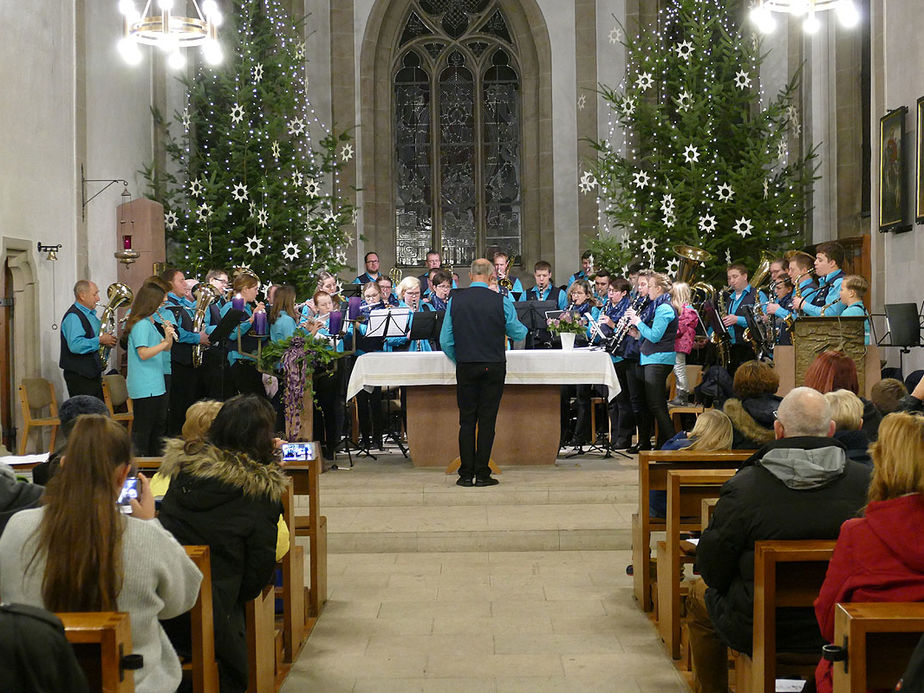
pixel 462 481
pixel 489 481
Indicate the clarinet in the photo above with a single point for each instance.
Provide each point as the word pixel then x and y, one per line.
pixel 615 340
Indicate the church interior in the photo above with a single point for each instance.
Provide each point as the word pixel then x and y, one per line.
pixel 290 146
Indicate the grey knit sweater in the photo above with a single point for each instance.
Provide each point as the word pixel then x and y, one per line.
pixel 159 582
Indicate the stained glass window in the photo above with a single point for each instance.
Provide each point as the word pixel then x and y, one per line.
pixel 457 133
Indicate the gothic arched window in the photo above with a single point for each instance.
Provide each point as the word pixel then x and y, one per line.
pixel 457 132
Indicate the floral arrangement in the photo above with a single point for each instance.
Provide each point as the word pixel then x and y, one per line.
pixel 298 357
pixel 567 322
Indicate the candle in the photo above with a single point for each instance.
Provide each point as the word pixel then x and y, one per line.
pixel 259 323
pixel 127 242
pixel 354 307
pixel 237 303
pixel 336 322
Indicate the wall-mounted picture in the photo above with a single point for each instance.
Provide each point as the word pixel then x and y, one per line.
pixel 919 165
pixel 892 169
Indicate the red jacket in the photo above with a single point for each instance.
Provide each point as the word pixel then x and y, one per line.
pixel 878 558
pixel 686 329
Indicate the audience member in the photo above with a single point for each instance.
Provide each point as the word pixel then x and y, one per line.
pixel 68 412
pixel 801 486
pixel 712 431
pixel 847 414
pixel 79 553
pixel 753 408
pixel 225 492
pixel 887 395
pixel 834 370
pixel 879 557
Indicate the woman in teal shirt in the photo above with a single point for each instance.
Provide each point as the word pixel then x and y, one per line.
pixel 145 381
pixel 657 329
pixel 244 374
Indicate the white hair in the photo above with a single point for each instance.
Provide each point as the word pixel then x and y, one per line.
pixel 805 412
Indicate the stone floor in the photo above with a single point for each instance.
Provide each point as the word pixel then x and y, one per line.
pixel 438 613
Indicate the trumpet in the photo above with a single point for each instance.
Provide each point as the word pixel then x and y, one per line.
pixel 119 295
pixel 206 294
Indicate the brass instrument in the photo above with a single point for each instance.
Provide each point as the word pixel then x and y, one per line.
pixel 205 295
pixel 690 258
pixel 119 295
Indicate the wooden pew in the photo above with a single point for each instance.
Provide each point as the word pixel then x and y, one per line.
pixel 102 642
pixel 292 591
pixel 653 466
pixel 306 481
pixel 261 655
pixel 879 639
pixel 203 667
pixel 686 490
pixel 786 574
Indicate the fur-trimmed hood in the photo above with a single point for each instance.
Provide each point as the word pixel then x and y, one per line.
pixel 204 461
pixel 745 425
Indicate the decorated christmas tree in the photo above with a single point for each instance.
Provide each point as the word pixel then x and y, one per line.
pixel 694 155
pixel 253 174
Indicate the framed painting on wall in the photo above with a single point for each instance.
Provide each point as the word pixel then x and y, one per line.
pixel 892 168
pixel 919 165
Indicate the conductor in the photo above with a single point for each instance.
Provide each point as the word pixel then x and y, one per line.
pixel 472 336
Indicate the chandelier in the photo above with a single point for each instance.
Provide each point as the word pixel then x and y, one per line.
pixel 159 26
pixel 762 13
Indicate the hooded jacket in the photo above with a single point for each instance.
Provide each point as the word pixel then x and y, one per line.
pixel 794 488
pixel 231 503
pixel 878 558
pixel 752 420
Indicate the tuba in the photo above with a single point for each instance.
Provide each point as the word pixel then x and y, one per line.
pixel 119 295
pixel 205 295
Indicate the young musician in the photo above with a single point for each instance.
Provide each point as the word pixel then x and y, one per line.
pixel 544 290
pixel 658 334
pixel 853 290
pixel 502 267
pixel 828 260
pixel 622 420
pixel 737 299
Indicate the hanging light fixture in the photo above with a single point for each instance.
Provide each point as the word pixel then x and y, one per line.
pixel 159 26
pixel 762 13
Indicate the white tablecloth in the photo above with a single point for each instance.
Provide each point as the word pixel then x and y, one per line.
pixel 538 367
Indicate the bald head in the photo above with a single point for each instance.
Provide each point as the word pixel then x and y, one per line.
pixel 804 412
pixel 482 270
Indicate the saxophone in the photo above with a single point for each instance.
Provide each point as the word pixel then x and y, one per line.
pixel 119 295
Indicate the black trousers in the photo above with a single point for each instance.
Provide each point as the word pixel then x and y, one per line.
pixel 149 425
pixel 184 390
pixel 656 395
pixel 80 385
pixel 479 388
pixel 622 418
pixel 247 379
pixel 635 381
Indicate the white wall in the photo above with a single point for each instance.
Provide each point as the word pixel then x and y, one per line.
pixel 902 81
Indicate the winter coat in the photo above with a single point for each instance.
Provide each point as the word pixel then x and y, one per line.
pixel 686 329
pixel 856 445
pixel 793 488
pixel 752 420
pixel 232 504
pixel 878 558
pixel 16 495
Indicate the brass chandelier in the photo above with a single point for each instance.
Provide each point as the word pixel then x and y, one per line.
pixel 159 26
pixel 762 13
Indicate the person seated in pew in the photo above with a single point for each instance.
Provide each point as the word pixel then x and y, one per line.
pixel 879 557
pixel 753 408
pixel 712 431
pixel 80 553
pixel 847 413
pixel 800 486
pixel 226 492
pixel 834 370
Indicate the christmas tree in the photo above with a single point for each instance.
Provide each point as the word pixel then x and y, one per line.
pixel 248 186
pixel 693 156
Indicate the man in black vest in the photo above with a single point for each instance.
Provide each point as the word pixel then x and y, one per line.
pixel 477 319
pixel 81 341
pixel 184 383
